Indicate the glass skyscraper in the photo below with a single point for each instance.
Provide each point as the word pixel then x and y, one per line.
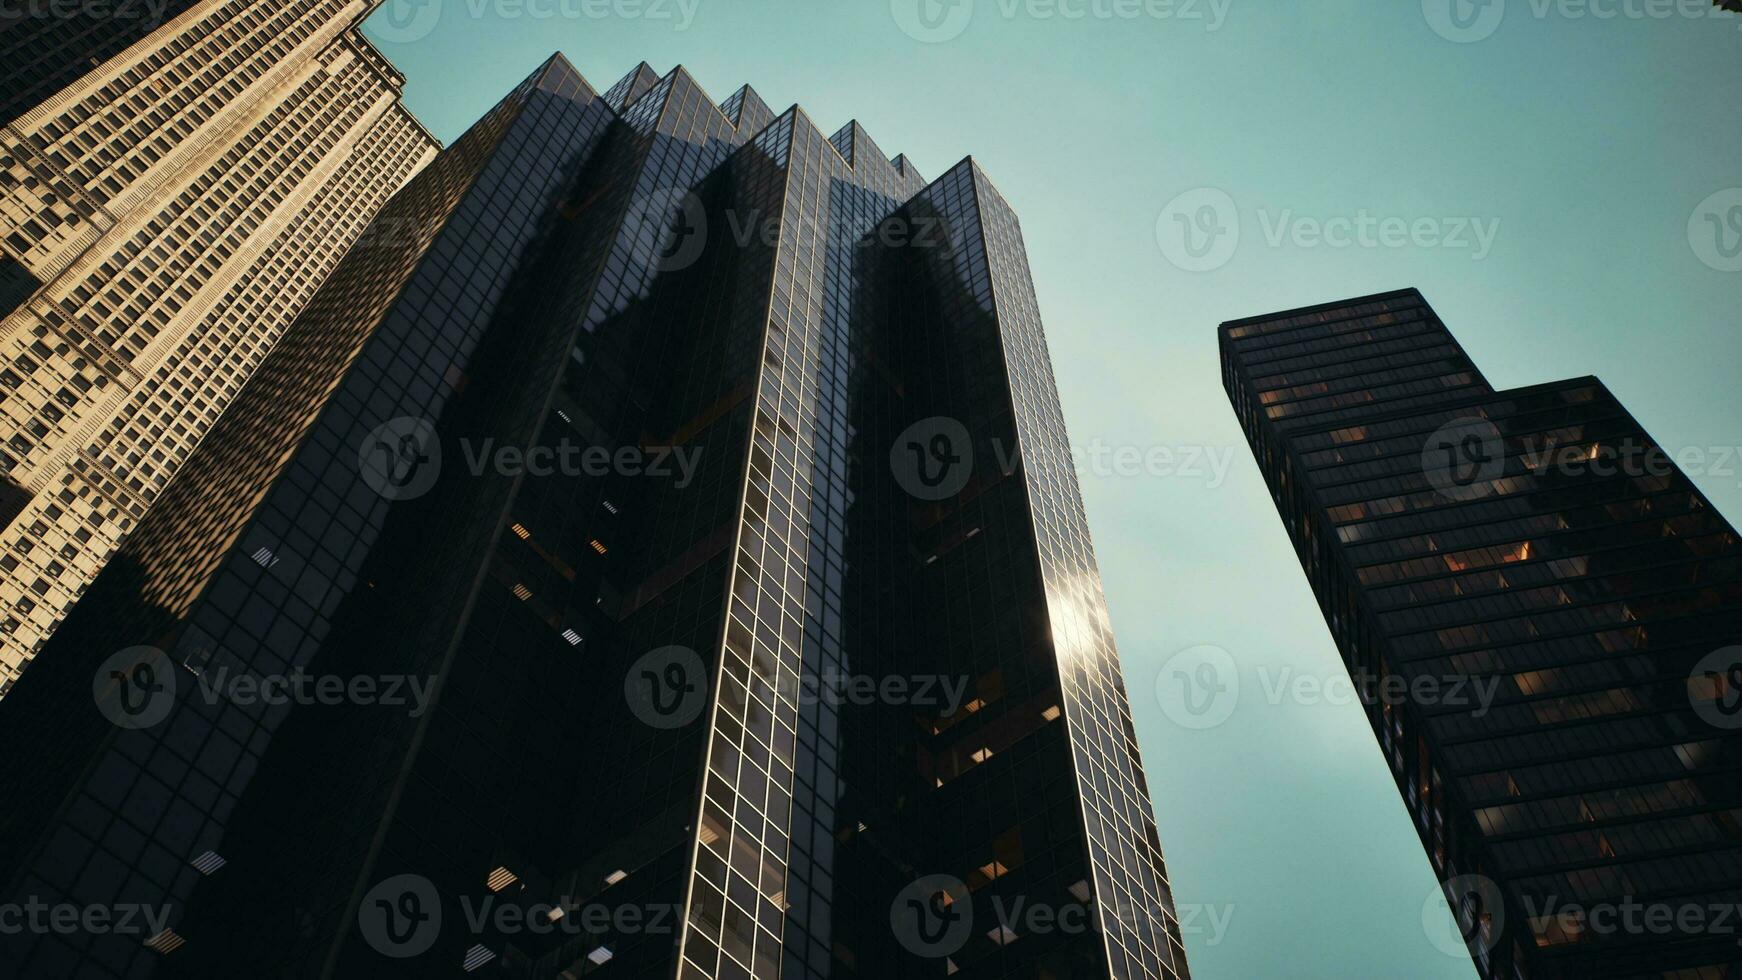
pixel 673 503
pixel 1543 613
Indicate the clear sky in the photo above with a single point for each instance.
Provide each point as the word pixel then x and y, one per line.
pixel 1543 170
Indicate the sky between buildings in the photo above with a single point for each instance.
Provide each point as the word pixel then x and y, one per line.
pixel 1562 180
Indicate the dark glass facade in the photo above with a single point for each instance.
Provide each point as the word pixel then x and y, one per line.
pixel 1548 597
pixel 758 314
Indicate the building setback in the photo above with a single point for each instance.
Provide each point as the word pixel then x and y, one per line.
pixel 171 194
pixel 1544 613
pixel 664 416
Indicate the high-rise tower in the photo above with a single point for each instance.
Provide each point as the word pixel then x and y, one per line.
pixel 1543 613
pixel 176 179
pixel 679 522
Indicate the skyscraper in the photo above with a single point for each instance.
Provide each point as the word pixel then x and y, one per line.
pixel 678 520
pixel 175 181
pixel 1542 612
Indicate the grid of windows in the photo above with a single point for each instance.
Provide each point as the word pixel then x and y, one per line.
pixel 175 208
pixel 1563 564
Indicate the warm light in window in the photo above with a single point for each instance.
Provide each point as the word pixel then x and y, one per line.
pixel 1051 714
pixel 165 942
pixel 521 592
pixel 501 878
pixel 598 545
pixel 521 531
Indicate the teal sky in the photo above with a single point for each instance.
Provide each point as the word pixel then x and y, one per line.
pixel 1582 146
